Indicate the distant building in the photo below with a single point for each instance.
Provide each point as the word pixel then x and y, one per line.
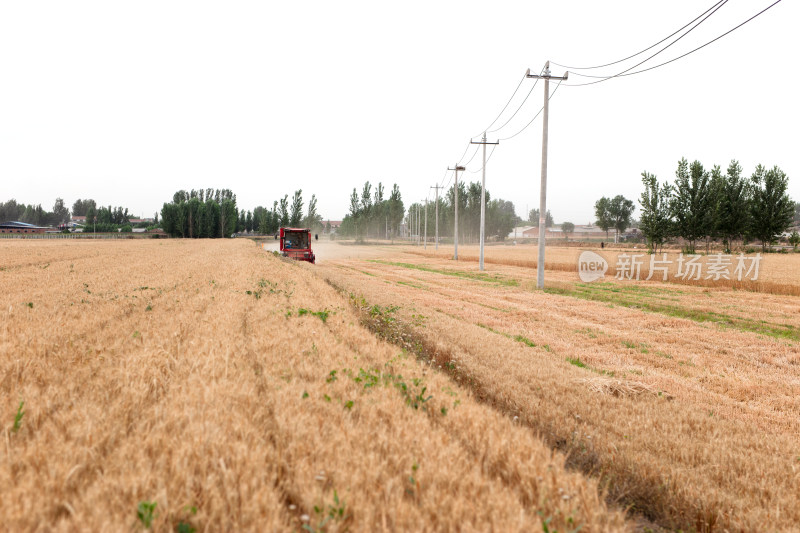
pixel 581 232
pixel 20 227
pixel 335 224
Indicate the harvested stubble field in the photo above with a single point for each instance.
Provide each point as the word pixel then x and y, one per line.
pixel 211 386
pixel 684 402
pixel 777 271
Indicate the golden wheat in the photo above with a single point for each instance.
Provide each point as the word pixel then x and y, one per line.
pixel 684 400
pixel 237 391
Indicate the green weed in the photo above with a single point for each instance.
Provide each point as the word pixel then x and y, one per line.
pixel 145 512
pixel 322 315
pixel 641 298
pixel 576 361
pixel 186 526
pixel 413 484
pixel 476 276
pixel 525 341
pixel 410 284
pixel 18 418
pixel 337 512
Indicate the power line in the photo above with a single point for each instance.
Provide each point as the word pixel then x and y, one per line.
pixel 448 182
pixel 604 78
pixel 517 111
pixel 680 56
pixel 443 177
pixel 505 106
pixel 623 73
pixel 473 155
pixel 641 51
pixel 487 161
pixel 465 152
pixel 534 117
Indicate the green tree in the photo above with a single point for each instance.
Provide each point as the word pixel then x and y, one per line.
pixel 602 212
pixel 91 217
pixel 621 210
pixel 567 228
pixel 691 203
pixel 313 219
pixel 296 213
pixel 351 222
pixel 81 207
pixel 60 212
pixel 261 221
pixel 379 217
pixel 771 209
pixel 229 216
pixel 500 218
pixel 211 218
pixel 656 219
pixel 283 209
pixel 732 216
pixel 396 210
pixel 366 202
pixel 193 217
pixel 794 239
pixel 11 210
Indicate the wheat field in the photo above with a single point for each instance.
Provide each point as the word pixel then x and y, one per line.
pixel 683 401
pixel 777 272
pixel 211 386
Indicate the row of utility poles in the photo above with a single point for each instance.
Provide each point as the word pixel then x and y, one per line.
pixel 546 76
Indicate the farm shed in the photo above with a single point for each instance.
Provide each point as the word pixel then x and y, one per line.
pixel 20 227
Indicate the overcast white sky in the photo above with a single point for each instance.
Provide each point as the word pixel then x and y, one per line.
pixel 127 102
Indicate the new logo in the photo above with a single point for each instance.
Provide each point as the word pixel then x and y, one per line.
pixel 591 266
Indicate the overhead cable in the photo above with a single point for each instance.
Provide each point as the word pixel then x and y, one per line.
pixel 505 106
pixel 534 117
pixel 626 73
pixel 641 51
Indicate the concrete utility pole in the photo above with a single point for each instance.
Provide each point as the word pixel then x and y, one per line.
pixel 413 226
pixel 417 220
pixel 426 223
pixel 417 225
pixel 437 187
pixel 483 194
pixel 455 194
pixel 543 192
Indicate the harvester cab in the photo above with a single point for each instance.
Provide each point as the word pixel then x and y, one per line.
pixel 296 244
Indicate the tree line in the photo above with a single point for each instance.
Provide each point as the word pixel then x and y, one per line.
pixel 705 206
pixel 213 213
pixel 500 214
pixel 102 219
pixel 372 215
pixel 34 214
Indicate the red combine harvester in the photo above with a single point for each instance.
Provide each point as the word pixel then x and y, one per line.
pixel 296 244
